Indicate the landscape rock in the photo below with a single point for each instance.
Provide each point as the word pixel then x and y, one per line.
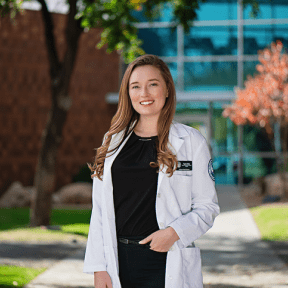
pixel 274 183
pixel 252 189
pixel 270 185
pixel 17 196
pixel 74 193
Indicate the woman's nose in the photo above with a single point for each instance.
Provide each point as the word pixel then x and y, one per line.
pixel 144 92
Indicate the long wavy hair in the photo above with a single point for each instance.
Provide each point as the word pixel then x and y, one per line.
pixel 126 118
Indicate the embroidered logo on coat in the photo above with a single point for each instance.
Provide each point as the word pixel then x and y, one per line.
pixel 210 170
pixel 184 166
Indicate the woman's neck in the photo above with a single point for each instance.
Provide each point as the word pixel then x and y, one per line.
pixel 146 127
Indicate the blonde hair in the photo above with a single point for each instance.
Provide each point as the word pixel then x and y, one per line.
pixel 126 115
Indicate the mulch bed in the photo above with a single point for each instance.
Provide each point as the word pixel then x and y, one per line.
pixel 254 200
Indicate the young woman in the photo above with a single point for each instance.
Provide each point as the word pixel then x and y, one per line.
pixel 153 189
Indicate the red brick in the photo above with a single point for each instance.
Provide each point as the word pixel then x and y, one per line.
pixel 26 99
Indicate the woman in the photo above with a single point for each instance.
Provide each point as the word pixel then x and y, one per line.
pixel 146 188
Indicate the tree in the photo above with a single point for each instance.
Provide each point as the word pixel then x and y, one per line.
pixel 264 99
pixel 119 33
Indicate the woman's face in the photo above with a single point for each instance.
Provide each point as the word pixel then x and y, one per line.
pixel 147 91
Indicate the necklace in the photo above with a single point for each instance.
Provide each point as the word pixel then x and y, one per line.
pixel 144 139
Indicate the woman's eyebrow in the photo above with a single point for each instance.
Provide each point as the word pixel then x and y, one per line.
pixel 133 83
pixel 148 80
pixel 153 79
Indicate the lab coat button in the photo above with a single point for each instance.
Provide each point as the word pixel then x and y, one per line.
pixel 171 248
pixel 161 225
pixel 158 195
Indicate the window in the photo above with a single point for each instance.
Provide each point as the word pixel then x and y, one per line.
pixel 275 9
pixel 258 37
pixel 218 40
pixel 159 41
pixel 218 10
pixel 210 76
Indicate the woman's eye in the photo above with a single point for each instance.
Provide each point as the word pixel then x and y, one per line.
pixel 154 84
pixel 134 87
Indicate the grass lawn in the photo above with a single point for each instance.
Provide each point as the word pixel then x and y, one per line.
pixel 14 225
pixel 14 276
pixel 68 233
pixel 11 218
pixel 272 221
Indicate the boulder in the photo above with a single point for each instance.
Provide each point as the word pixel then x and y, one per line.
pixel 270 185
pixel 274 183
pixel 253 188
pixel 17 196
pixel 74 193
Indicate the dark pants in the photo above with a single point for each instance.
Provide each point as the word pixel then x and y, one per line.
pixel 139 266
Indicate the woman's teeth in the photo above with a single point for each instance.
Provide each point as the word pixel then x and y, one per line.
pixel 146 103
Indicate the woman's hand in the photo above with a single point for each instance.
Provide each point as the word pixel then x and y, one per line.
pixel 161 240
pixel 102 280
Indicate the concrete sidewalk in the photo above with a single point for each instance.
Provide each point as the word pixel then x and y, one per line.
pixel 232 254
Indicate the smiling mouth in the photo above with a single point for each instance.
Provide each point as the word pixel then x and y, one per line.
pixel 146 102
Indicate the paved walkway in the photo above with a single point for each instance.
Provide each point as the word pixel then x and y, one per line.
pixel 232 254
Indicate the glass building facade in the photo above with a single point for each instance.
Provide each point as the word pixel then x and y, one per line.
pixel 207 63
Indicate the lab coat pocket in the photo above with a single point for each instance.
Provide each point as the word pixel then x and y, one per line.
pixel 192 267
pixel 182 187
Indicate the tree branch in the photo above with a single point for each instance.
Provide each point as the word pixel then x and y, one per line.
pixel 73 32
pixel 50 40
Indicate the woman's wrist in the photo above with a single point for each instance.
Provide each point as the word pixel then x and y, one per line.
pixel 173 233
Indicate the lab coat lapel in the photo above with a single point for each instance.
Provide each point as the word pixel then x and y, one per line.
pixel 108 204
pixel 107 177
pixel 174 143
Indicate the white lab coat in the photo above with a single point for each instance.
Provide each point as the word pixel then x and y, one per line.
pixel 187 202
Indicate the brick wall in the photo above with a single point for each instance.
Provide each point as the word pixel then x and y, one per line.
pixel 25 98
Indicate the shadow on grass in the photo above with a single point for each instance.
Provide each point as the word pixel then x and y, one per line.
pixel 76 233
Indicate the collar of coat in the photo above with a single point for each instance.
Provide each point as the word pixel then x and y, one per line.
pixel 177 132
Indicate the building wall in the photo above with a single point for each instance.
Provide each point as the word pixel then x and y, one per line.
pixel 217 54
pixel 25 98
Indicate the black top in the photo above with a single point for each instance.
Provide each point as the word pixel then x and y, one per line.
pixel 135 186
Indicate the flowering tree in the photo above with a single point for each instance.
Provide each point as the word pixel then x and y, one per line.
pixel 264 99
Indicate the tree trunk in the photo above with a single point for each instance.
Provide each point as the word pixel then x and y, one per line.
pixel 60 78
pixel 45 172
pixel 284 148
pixel 281 162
